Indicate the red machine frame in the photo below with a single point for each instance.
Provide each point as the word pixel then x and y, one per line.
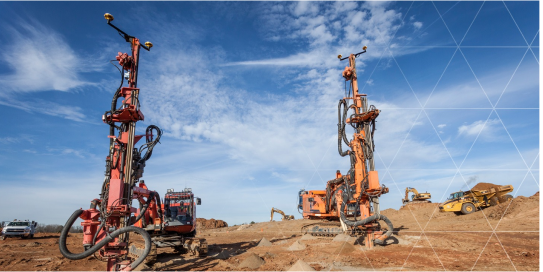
pixel 107 223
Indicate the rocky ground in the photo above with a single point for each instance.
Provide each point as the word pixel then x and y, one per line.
pixel 504 237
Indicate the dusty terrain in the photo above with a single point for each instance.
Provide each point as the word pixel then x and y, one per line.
pixel 424 239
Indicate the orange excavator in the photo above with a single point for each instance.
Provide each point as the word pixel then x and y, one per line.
pixel 350 202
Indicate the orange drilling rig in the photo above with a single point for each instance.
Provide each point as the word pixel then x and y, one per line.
pixel 113 230
pixel 353 198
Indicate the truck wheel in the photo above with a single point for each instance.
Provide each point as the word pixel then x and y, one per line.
pixel 505 198
pixel 493 201
pixel 468 208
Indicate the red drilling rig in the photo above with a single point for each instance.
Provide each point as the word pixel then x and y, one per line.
pixel 107 224
pixel 353 198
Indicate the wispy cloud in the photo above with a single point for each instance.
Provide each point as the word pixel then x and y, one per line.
pixel 329 29
pixel 41 60
pixel 486 130
pixel 36 105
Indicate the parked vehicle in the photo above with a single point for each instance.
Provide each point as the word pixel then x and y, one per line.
pixel 19 228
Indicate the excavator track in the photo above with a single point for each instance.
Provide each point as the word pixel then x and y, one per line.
pixel 328 229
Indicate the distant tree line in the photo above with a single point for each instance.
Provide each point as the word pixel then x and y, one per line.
pixel 53 228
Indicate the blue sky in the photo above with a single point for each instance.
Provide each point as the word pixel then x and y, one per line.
pixel 247 92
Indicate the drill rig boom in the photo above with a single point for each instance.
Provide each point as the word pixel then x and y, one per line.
pixel 355 194
pixel 108 221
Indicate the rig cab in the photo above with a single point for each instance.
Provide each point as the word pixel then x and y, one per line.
pixel 180 212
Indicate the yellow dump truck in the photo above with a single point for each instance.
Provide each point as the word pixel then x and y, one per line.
pixel 465 202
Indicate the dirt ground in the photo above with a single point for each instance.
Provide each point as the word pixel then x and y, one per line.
pixel 424 239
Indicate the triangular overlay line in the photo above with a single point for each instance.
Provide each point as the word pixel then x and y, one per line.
pixel 387 45
pixel 481 254
pixel 493 110
pixel 536 59
pixel 520 154
pixel 515 194
pixel 462 52
pixel 529 45
pixel 511 78
pixel 471 22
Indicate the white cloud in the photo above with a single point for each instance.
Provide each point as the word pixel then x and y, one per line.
pixel 41 60
pixel 417 25
pixel 378 3
pixel 339 27
pixel 305 7
pixel 440 126
pixel 485 129
pixel 41 106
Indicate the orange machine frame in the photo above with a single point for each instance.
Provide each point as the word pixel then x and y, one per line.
pixel 361 185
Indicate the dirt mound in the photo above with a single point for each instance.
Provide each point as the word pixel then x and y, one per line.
pixel 264 242
pixel 297 246
pixel 418 205
pixel 345 248
pixel 301 266
pixel 484 186
pixel 252 262
pixel 536 194
pixel 202 223
pixel 518 206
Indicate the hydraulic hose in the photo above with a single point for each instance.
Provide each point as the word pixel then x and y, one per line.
pixel 77 256
pixel 145 206
pixel 379 240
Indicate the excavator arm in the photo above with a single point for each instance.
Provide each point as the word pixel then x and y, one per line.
pixel 285 217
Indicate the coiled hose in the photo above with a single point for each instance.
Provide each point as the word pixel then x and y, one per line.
pixel 152 195
pixel 379 240
pixel 77 256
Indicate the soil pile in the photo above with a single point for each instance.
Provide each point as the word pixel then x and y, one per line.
pixel 518 206
pixel 297 246
pixel 252 262
pixel 345 248
pixel 418 206
pixel 308 237
pixel 484 186
pixel 301 266
pixel 202 223
pixel 264 242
